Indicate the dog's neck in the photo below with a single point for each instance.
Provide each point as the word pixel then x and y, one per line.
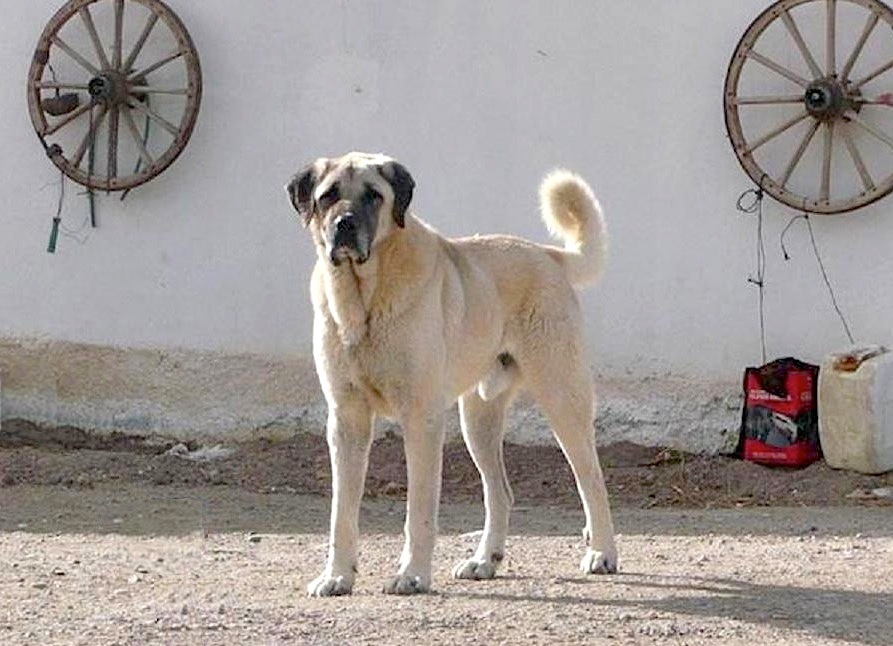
pixel 348 295
pixel 379 288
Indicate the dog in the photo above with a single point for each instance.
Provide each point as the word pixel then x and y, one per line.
pixel 407 322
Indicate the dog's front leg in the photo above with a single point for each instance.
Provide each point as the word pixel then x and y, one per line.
pixel 423 443
pixel 349 433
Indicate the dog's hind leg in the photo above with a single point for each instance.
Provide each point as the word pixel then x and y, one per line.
pixel 482 427
pixel 564 390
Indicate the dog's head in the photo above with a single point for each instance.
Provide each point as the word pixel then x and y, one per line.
pixel 351 203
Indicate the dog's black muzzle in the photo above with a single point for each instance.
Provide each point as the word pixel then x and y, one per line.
pixel 350 238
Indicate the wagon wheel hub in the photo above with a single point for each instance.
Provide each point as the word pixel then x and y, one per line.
pixel 825 99
pixel 110 87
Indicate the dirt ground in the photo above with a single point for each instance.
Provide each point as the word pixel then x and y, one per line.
pixel 121 541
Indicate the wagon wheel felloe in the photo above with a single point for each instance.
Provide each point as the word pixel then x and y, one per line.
pixel 130 68
pixel 830 103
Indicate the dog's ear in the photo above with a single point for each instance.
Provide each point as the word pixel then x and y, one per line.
pixel 300 190
pixel 403 184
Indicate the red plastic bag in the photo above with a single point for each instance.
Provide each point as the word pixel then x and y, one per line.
pixel 779 424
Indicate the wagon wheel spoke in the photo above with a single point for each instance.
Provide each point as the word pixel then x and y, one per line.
pixel 68 119
pixel 157 65
pixel 801 44
pixel 867 182
pixel 831 38
pixel 61 85
pixel 80 60
pixel 127 112
pixel 119 35
pixel 114 122
pixel 140 42
pixel 768 100
pixel 885 99
pixel 798 154
pixel 779 69
pixel 886 67
pixel 149 112
pixel 89 137
pixel 772 134
pixel 147 89
pixel 870 129
pixel 87 19
pixel 866 32
pixel 825 190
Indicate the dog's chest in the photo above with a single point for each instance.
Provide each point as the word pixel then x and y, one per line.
pixel 374 342
pixel 379 372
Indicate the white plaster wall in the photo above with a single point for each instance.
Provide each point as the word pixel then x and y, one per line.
pixel 479 99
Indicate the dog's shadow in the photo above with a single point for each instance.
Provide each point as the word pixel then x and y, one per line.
pixel 825 613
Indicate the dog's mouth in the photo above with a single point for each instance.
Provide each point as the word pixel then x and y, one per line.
pixel 341 253
pixel 352 246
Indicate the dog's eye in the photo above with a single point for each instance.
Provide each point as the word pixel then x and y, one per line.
pixel 372 195
pixel 330 195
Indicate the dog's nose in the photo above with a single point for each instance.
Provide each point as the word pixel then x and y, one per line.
pixel 346 225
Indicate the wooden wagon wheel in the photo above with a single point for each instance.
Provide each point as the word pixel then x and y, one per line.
pixel 144 72
pixel 823 104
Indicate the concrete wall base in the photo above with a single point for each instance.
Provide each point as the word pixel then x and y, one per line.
pixel 208 396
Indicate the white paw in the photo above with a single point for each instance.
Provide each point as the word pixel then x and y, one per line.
pixel 408 584
pixel 475 569
pixel 599 563
pixel 329 585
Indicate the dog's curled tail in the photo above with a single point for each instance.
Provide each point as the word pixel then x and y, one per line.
pixel 573 215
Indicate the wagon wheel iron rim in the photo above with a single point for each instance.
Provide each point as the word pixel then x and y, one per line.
pixel 831 102
pixel 112 92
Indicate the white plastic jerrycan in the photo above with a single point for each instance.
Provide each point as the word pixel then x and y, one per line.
pixel 856 409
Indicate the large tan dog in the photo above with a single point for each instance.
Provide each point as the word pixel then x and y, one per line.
pixel 406 322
